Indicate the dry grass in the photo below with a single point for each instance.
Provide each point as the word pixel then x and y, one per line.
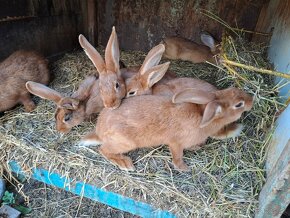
pixel 226 175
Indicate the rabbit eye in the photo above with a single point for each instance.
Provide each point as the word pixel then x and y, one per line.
pixel 240 104
pixel 117 85
pixel 132 93
pixel 67 117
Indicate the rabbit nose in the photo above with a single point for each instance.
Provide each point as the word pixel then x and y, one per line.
pixel 62 129
pixel 110 104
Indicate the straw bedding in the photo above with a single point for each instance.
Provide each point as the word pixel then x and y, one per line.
pixel 226 175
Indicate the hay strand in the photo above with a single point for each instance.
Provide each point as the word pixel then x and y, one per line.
pixel 225 61
pixel 216 18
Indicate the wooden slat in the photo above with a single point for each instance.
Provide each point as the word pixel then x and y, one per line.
pixel 50 27
pixel 92 192
pixel 92 22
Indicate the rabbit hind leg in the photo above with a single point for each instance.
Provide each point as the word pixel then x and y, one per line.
pixel 113 153
pixel 27 102
pixel 177 157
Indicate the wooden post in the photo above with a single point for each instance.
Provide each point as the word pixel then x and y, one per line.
pixel 92 22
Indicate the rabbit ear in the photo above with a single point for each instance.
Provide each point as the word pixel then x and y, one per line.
pixel 153 58
pixel 93 54
pixel 154 74
pixel 69 103
pixel 192 95
pixel 212 110
pixel 208 40
pixel 43 91
pixel 84 89
pixel 112 53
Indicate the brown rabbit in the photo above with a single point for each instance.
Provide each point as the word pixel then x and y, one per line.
pixel 149 80
pixel 184 49
pixel 71 111
pixel 173 86
pixel 188 120
pixel 111 84
pixel 20 67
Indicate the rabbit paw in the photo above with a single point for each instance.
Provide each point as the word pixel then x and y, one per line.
pixel 30 106
pixel 123 162
pixel 181 166
pixel 126 164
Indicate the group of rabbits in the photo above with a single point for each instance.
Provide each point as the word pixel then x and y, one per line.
pixel 138 107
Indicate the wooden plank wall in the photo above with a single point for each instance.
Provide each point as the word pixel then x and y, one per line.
pixel 52 26
pixel 276 19
pixel 143 23
pixel 274 16
pixel 48 26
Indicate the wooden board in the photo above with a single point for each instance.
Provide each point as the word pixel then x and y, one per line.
pixel 50 27
pixel 142 24
pixel 94 193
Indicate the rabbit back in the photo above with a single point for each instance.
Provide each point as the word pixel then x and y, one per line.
pixel 146 121
pixel 184 49
pixel 149 120
pixel 15 71
pixel 173 86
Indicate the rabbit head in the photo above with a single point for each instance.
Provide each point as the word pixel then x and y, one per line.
pixel 69 112
pixel 111 83
pixel 220 108
pixel 149 73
